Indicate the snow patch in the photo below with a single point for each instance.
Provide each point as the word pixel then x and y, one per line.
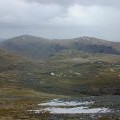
pixel 57 102
pixel 57 106
pixel 53 74
pixel 75 110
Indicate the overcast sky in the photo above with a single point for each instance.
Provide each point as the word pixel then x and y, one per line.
pixel 60 18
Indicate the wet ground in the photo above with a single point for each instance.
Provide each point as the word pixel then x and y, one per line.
pixel 85 108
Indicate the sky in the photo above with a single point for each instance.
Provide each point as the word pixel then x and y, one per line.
pixel 60 18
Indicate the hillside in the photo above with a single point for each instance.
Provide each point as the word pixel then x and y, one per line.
pixel 25 82
pixel 81 73
pixel 31 46
pixel 36 47
pixel 12 70
pixel 85 65
pixel 91 45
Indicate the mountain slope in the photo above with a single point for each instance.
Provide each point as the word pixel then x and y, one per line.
pixel 59 76
pixel 31 46
pixel 36 47
pixel 71 71
pixel 91 45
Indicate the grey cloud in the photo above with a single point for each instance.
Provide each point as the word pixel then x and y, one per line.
pixel 60 18
pixel 113 3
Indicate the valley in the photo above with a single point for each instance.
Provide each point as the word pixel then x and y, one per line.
pixel 35 70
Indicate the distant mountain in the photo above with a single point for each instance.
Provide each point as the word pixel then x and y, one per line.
pixel 92 45
pixel 55 76
pixel 37 47
pixel 31 46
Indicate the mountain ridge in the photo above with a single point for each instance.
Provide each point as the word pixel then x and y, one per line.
pixel 66 73
pixel 38 47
